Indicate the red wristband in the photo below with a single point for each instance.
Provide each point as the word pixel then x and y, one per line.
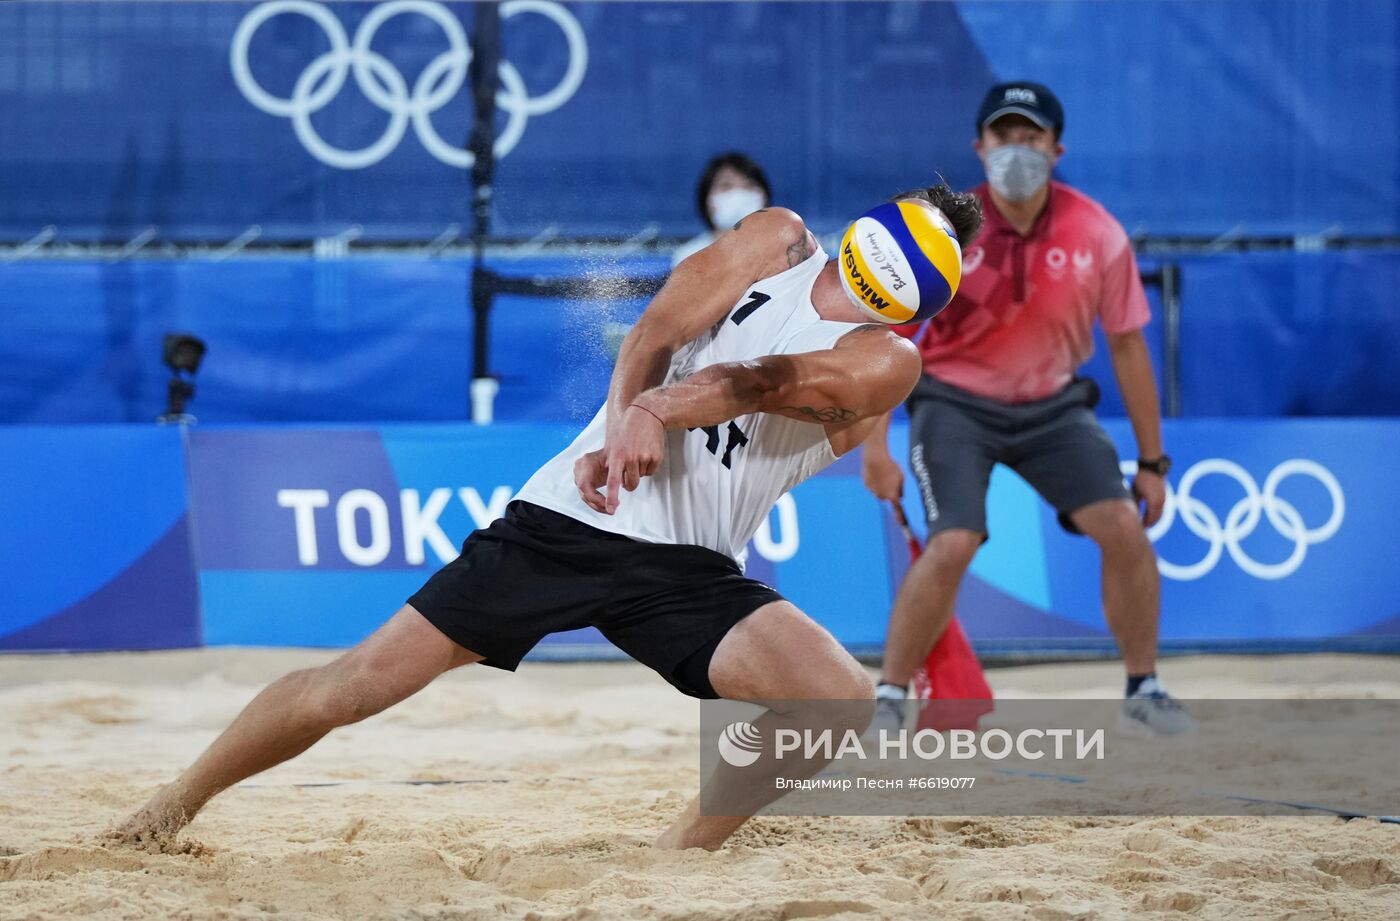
pixel 650 413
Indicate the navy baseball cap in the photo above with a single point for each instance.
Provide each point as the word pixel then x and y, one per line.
pixel 1033 100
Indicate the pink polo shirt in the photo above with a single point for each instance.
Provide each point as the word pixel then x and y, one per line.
pixel 1022 320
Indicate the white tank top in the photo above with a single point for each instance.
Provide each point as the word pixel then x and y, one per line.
pixel 716 485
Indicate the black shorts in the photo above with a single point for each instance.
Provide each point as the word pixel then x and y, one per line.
pixel 1056 445
pixel 536 572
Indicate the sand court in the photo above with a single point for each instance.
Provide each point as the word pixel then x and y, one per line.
pixel 561 775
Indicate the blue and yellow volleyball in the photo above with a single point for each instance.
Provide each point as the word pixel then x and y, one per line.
pixel 900 262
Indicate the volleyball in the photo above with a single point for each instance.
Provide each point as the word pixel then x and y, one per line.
pixel 900 262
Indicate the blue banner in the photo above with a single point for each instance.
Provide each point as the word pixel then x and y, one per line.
pixel 1275 534
pixel 200 119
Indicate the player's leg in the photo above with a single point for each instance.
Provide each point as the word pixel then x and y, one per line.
pixel 291 714
pixel 1132 607
pixel 952 451
pixel 779 656
pixel 1069 459
pixel 1131 584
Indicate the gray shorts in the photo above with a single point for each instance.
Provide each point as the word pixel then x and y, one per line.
pixel 1056 445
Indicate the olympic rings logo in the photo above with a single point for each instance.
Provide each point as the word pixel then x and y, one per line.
pixel 383 84
pixel 1258 504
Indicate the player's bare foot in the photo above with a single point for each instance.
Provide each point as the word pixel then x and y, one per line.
pixel 154 826
pixel 691 829
pixel 676 839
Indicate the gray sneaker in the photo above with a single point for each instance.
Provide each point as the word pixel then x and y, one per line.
pixel 1151 711
pixel 891 711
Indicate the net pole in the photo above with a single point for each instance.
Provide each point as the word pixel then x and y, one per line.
pixel 485 81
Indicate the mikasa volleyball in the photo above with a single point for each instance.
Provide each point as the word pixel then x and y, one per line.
pixel 900 262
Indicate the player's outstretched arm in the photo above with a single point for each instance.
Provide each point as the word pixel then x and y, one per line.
pixel 699 294
pixel 847 388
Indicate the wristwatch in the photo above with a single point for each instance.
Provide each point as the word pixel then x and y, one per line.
pixel 1157 465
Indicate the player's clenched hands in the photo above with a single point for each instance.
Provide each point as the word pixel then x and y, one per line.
pixel 634 449
pixel 591 472
pixel 1152 490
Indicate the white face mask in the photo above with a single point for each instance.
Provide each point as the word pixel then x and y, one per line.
pixel 733 205
pixel 1017 172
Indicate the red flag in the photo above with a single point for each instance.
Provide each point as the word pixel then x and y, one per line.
pixel 951 674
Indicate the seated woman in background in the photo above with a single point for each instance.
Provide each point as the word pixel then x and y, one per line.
pixel 731 188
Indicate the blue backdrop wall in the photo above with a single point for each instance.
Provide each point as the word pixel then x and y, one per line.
pixel 1184 116
pixel 391 338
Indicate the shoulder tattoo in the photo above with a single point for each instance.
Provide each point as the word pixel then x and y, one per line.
pixel 740 223
pixel 802 250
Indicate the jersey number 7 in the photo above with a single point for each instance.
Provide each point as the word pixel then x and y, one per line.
pixel 756 300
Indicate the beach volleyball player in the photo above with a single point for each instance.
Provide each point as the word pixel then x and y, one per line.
pixel 753 368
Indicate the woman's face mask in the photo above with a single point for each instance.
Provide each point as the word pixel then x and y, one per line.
pixel 1017 172
pixel 731 206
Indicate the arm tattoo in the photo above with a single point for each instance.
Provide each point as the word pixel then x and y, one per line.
pixel 827 415
pixel 802 250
